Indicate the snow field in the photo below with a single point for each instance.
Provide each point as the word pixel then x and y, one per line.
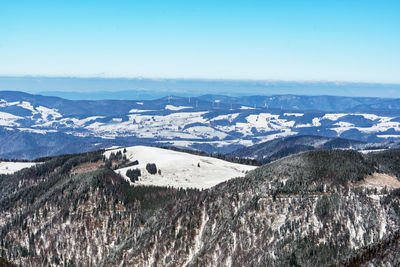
pixel 179 169
pixel 12 167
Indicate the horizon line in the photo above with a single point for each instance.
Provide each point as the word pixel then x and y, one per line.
pixel 180 96
pixel 336 82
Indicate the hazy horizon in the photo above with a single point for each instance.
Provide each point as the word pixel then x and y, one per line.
pixel 146 88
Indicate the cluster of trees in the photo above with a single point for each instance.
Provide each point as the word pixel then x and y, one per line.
pixel 120 160
pixel 386 161
pixel 286 151
pixel 152 198
pixel 133 174
pixel 15 160
pixel 117 156
pixel 125 164
pixel 314 170
pixel 151 168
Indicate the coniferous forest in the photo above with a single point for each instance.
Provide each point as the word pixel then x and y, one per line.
pixel 309 209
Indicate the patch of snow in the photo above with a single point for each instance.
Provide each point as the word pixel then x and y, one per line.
pixel 371 117
pixel 245 107
pixel 276 135
pixel 388 136
pixel 48 113
pixel 135 110
pixel 172 107
pixel 12 167
pixel 38 131
pixel 263 122
pixel 205 131
pixel 333 116
pixel 316 122
pixel 28 106
pixel 382 231
pixel 23 104
pixel 371 150
pixel 342 127
pixel 7 119
pixel 344 124
pixel 229 117
pixel 112 148
pixel 304 125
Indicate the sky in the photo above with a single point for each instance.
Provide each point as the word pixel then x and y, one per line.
pixel 338 40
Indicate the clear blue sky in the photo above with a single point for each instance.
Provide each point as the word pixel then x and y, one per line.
pixel 349 40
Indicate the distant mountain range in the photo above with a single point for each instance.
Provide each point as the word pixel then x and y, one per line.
pixel 35 125
pixel 99 88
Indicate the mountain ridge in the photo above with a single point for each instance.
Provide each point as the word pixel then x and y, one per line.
pixel 277 148
pixel 306 209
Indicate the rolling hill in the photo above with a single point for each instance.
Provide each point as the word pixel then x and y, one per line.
pixel 34 126
pixel 177 169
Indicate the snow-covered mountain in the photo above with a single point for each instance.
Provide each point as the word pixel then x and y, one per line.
pixel 209 123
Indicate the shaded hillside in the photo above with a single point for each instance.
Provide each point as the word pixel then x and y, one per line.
pixel 387 161
pixel 282 147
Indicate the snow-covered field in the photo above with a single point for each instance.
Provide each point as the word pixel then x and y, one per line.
pixel 11 167
pixel 179 169
pixel 185 123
